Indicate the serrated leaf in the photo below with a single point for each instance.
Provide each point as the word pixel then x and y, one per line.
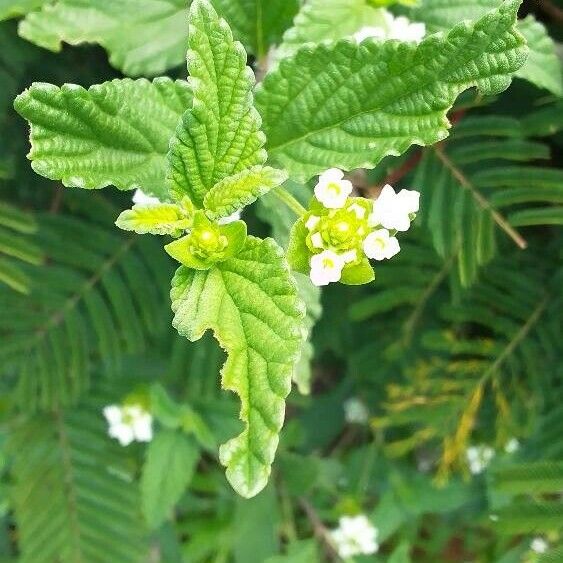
pixel 14 8
pixel 258 24
pixel 220 135
pixel 143 37
pixel 114 133
pixel 251 304
pixel 237 191
pixel 156 219
pixel 349 105
pixel 168 469
pixel 329 20
pixel 543 67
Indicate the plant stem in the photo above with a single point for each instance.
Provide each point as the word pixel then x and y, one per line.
pixel 283 195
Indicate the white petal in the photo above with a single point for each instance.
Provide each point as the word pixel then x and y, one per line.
pixel 230 219
pixel 331 175
pixel 393 248
pixel 349 256
pixel 143 428
pixel 317 240
pixel 113 414
pixel 312 222
pixel 369 32
pixel 410 200
pixel 140 197
pixel 123 433
pixel 358 210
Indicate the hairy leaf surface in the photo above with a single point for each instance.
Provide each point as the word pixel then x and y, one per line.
pixel 349 105
pixel 159 219
pixel 250 302
pixel 114 133
pixel 235 192
pixel 220 135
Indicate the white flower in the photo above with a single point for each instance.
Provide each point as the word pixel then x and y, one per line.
pixel 399 28
pixel 512 446
pixel 539 545
pixel 140 197
pixel 128 423
pixel 479 457
pixel 331 190
pixel 392 210
pixel 355 412
pixel 230 219
pixel 379 245
pixel 326 267
pixel 355 535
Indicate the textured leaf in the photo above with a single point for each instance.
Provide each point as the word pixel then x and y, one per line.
pixel 143 37
pixel 258 24
pixel 159 219
pixel 75 499
pixel 114 133
pixel 543 67
pixel 329 20
pixel 14 8
pixel 250 302
pixel 169 467
pixel 220 135
pixel 234 192
pixel 349 105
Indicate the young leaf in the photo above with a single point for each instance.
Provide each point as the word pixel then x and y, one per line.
pixel 171 460
pixel 348 105
pixel 251 304
pixel 143 37
pixel 159 219
pixel 329 20
pixel 257 24
pixel 234 192
pixel 104 135
pixel 220 135
pixel 14 8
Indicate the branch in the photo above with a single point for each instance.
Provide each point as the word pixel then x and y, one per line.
pixel 319 529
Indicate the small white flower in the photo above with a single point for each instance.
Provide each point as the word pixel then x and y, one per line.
pixel 128 423
pixel 230 219
pixel 326 267
pixel 512 446
pixel 392 210
pixel 479 457
pixel 539 545
pixel 355 412
pixel 379 245
pixel 331 190
pixel 399 28
pixel 355 535
pixel 140 197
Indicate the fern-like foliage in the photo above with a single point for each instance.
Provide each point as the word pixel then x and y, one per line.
pixel 96 300
pixel 74 494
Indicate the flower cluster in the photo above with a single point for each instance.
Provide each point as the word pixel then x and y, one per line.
pixel 339 234
pixel 355 412
pixel 128 423
pixel 399 28
pixel 355 535
pixel 479 457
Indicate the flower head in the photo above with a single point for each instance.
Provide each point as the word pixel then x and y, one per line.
pixel 128 423
pixel 140 197
pixel 355 412
pixel 326 267
pixel 394 211
pixel 399 28
pixel 539 545
pixel 379 245
pixel 479 457
pixel 332 190
pixel 355 535
pixel 512 446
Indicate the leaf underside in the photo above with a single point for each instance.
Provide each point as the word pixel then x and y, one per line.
pixel 113 133
pixel 350 105
pixel 250 302
pixel 220 135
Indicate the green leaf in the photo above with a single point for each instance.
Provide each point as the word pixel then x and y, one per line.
pixel 348 105
pixel 529 478
pixel 169 467
pixel 251 304
pixel 256 23
pixel 14 8
pixel 329 20
pixel 234 192
pixel 104 135
pixel 156 219
pixel 220 135
pixel 543 67
pixel 359 274
pixel 143 37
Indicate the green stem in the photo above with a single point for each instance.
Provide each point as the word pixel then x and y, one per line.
pixel 283 195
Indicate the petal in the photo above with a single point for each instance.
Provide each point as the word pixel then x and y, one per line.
pixel 113 414
pixel 143 428
pixel 312 222
pixel 331 175
pixel 410 200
